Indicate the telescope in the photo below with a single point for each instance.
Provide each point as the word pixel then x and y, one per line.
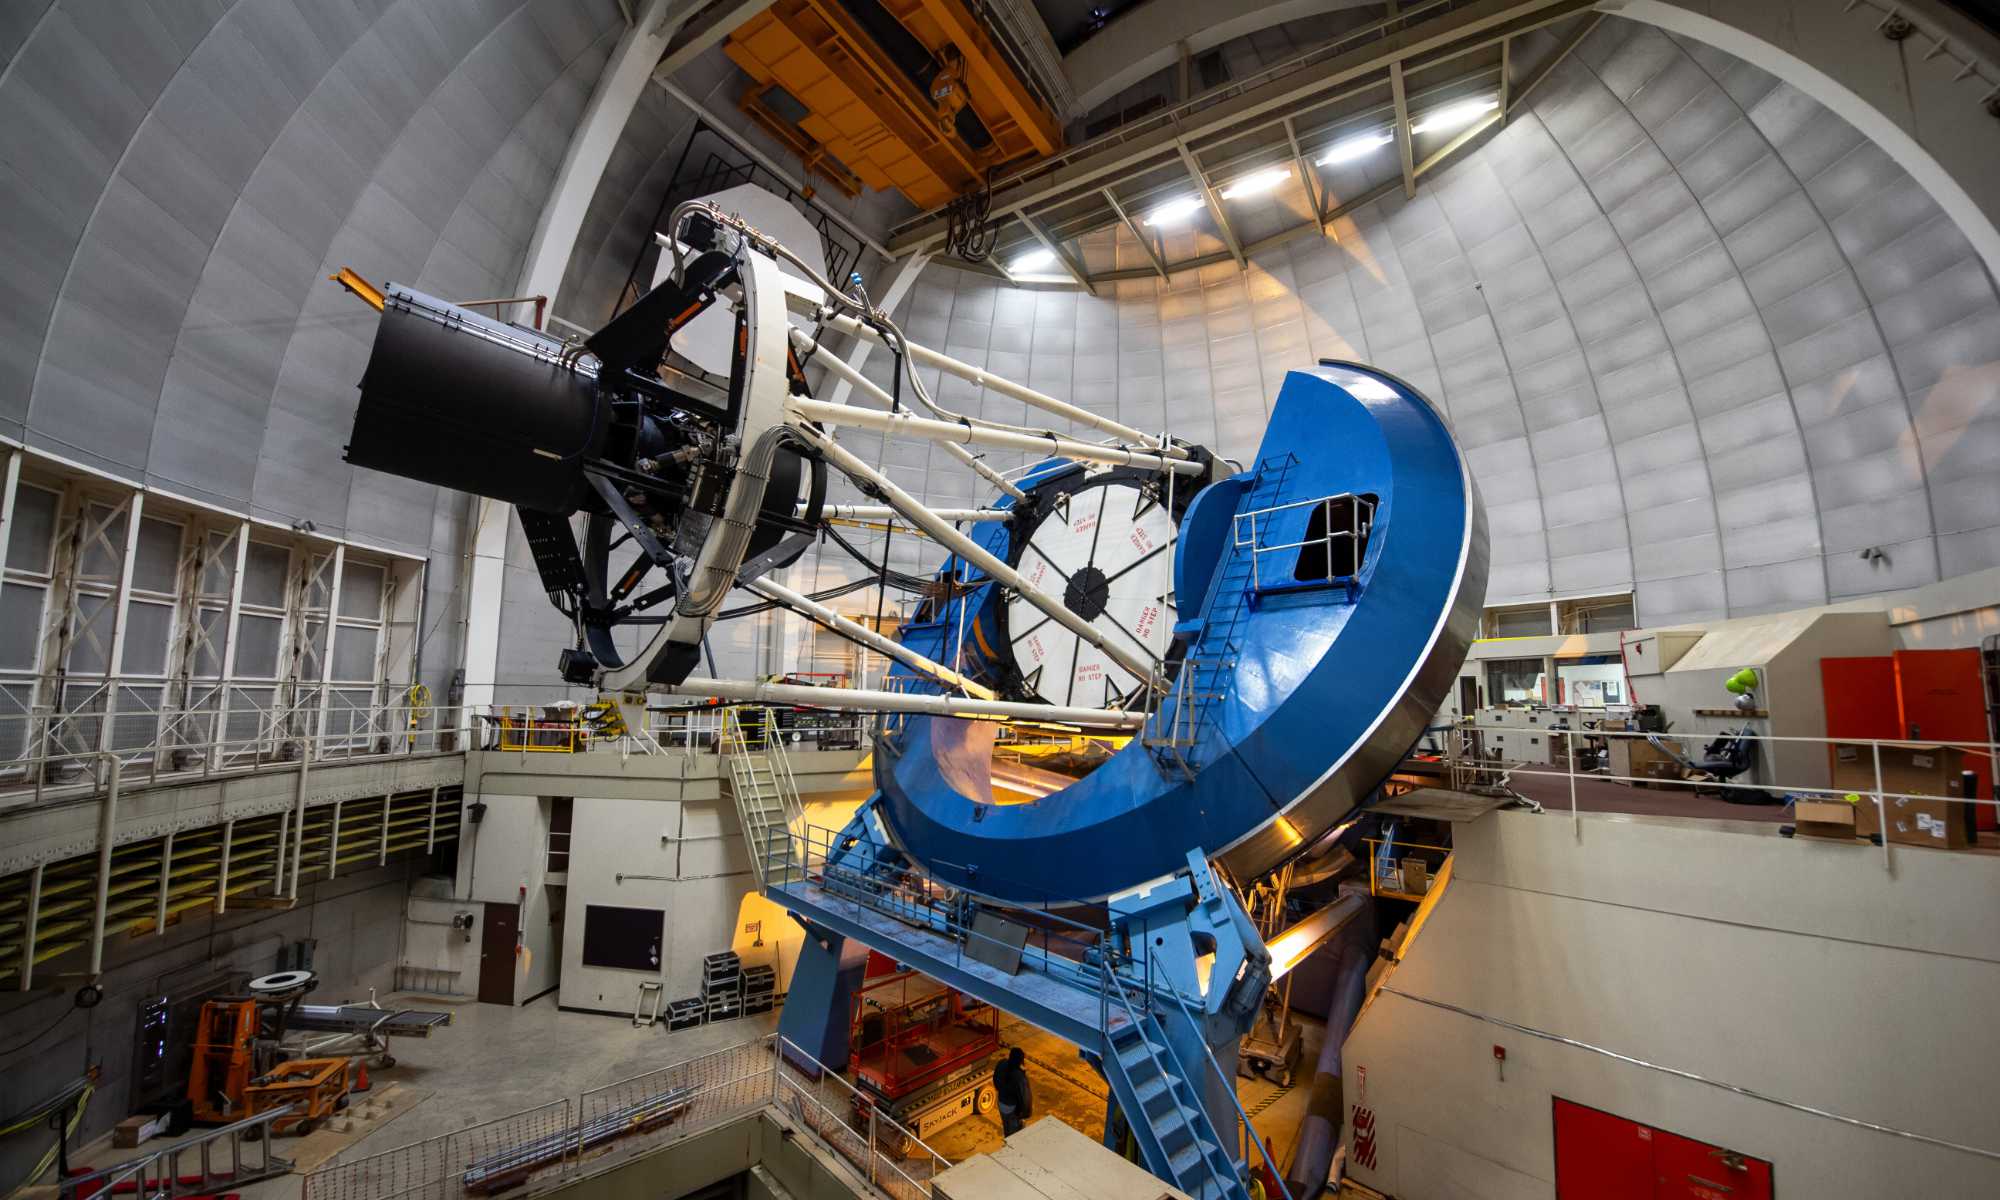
pixel 458 399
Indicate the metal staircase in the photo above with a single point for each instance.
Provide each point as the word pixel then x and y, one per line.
pixel 1158 1097
pixel 1210 665
pixel 766 795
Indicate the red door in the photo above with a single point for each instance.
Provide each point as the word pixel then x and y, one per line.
pixel 1939 698
pixel 1860 697
pixel 1685 1169
pixel 1600 1156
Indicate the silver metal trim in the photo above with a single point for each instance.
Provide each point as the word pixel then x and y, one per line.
pixel 1750 1093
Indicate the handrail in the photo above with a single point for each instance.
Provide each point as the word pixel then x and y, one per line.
pixel 107 1179
pixel 1228 1086
pixel 642 1112
pixel 39 773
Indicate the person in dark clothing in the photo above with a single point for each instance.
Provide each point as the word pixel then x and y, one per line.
pixel 1010 1084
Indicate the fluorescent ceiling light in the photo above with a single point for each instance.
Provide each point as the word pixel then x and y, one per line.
pixel 1454 116
pixel 1356 147
pixel 1257 184
pixel 1032 261
pixel 1173 212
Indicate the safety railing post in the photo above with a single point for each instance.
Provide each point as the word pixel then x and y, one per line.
pixel 1569 756
pixel 107 829
pixel 1881 808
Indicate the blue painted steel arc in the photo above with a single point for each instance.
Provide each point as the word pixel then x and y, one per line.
pixel 1304 698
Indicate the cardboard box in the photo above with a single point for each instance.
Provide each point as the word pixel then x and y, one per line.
pixel 1637 758
pixel 1919 773
pixel 131 1131
pixel 1843 820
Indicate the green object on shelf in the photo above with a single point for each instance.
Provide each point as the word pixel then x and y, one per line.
pixel 1743 681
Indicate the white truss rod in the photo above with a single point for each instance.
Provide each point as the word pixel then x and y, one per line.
pixel 860 700
pixel 985 472
pixel 882 512
pixel 943 532
pixel 951 432
pixel 854 380
pixel 856 632
pixel 1008 387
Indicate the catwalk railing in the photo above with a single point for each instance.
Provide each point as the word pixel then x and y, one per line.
pixel 1749 786
pixel 44 762
pixel 614 1124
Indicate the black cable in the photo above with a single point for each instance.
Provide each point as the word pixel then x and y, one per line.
pixel 904 581
pixel 882 577
pixel 821 597
pixel 39 1035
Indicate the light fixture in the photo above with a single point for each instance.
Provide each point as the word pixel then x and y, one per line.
pixel 1173 212
pixel 1256 184
pixel 1032 261
pixel 1454 116
pixel 1357 147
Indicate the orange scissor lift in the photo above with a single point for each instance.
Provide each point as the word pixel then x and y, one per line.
pixel 923 1053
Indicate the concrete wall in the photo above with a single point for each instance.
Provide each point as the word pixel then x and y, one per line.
pixel 430 941
pixel 662 822
pixel 503 860
pixel 356 921
pixel 1802 971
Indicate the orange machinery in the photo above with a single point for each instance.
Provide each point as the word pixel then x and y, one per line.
pixel 314 1087
pixel 237 1071
pixel 231 1047
pixel 909 94
pixel 923 1053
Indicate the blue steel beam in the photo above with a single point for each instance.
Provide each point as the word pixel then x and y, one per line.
pixel 1058 1006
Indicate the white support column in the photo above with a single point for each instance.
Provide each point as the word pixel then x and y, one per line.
pixel 315 743
pixel 121 603
pixel 618 89
pixel 299 824
pixel 222 873
pixel 166 877
pixel 333 841
pixel 107 836
pixel 431 830
pixel 907 269
pixel 382 855
pixel 8 491
pixel 278 860
pixel 230 620
pixel 29 920
pixel 604 118
pixel 482 604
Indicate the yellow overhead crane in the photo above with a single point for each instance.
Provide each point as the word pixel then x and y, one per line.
pixel 909 94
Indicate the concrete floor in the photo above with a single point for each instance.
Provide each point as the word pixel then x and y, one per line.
pixel 492 1062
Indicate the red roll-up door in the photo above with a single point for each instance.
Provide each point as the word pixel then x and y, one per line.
pixel 1603 1156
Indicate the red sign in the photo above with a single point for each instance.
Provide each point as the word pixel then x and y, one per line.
pixel 1364 1137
